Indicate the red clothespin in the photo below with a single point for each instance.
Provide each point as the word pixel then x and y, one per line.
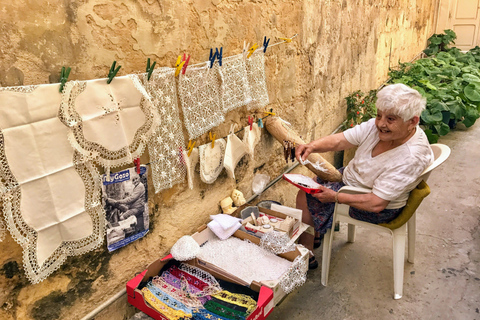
pixel 136 162
pixel 250 122
pixel 186 63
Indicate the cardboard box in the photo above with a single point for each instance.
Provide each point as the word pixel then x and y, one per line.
pixel 295 231
pixel 278 293
pixel 265 303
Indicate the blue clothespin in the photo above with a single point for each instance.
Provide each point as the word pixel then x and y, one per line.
pixel 212 57
pixel 265 43
pixel 219 55
pixel 260 123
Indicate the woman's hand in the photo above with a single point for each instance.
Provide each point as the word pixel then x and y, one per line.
pixel 325 195
pixel 303 151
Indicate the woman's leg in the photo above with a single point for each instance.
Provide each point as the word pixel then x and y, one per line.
pixel 305 239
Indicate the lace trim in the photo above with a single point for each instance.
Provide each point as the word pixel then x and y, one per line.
pixel 238 299
pixel 236 91
pixel 166 298
pixel 167 144
pixel 21 89
pixel 203 314
pixel 295 276
pixel 200 93
pixel 161 307
pixel 190 300
pixel 257 80
pixel 93 151
pixel 200 274
pixel 224 311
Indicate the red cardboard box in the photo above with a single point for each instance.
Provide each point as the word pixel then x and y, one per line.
pixel 265 301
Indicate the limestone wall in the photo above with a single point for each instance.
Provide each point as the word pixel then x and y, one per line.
pixel 342 46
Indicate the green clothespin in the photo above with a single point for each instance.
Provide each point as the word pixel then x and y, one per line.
pixel 64 77
pixel 150 68
pixel 113 72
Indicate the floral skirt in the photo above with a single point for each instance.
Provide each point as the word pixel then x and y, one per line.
pixel 322 213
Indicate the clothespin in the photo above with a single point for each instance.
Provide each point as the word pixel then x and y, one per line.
pixel 212 138
pixel 212 57
pixel 252 50
pixel 136 162
pixel 219 55
pixel 179 65
pixel 113 72
pixel 190 147
pixel 64 77
pixel 150 68
pixel 186 63
pixel 265 43
pixel 250 122
pixel 260 123
pixel 245 49
pixel 287 40
pixel 271 113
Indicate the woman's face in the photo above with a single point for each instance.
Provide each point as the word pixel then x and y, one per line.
pixel 392 127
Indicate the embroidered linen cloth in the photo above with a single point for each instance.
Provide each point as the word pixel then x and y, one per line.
pixel 109 123
pixel 50 196
pixel 257 80
pixel 166 146
pixel 200 93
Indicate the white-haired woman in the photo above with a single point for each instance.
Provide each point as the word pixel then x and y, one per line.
pixel 392 152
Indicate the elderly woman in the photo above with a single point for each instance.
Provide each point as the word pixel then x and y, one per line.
pixel 392 152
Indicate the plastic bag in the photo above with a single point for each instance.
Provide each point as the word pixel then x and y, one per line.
pixel 259 183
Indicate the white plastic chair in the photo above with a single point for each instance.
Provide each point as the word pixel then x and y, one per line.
pixel 441 153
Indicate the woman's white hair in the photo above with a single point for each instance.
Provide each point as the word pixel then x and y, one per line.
pixel 402 100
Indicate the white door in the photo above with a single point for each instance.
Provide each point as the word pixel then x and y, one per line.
pixel 463 17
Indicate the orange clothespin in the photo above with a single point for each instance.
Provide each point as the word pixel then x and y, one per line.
pixel 186 63
pixel 212 138
pixel 136 162
pixel 179 65
pixel 190 147
pixel 250 122
pixel 252 50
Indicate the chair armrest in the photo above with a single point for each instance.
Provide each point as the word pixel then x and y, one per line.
pixel 354 190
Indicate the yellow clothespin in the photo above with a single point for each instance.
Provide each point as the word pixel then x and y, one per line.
pixel 190 147
pixel 287 40
pixel 252 50
pixel 212 138
pixel 269 113
pixel 179 65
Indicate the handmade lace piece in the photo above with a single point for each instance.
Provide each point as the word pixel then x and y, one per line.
pixel 238 299
pixel 231 305
pixel 190 162
pixel 224 311
pixel 189 299
pixel 211 160
pixel 204 314
pixel 185 287
pixel 186 248
pixel 200 93
pixel 202 275
pixel 295 276
pixel 109 123
pixel 234 151
pixel 251 138
pixel 51 197
pixel 257 80
pixel 236 91
pixel 244 259
pixel 166 146
pixel 161 307
pixel 277 242
pixel 169 300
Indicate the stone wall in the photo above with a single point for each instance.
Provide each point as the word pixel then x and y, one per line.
pixel 342 46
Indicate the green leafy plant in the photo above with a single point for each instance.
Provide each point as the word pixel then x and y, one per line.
pixel 439 42
pixel 360 108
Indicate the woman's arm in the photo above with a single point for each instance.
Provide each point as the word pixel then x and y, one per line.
pixel 334 142
pixel 368 202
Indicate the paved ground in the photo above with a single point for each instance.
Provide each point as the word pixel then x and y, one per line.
pixel 444 282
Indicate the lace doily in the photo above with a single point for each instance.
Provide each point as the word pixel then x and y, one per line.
pixel 200 93
pixel 186 248
pixel 109 123
pixel 256 80
pixel 51 196
pixel 166 146
pixel 276 242
pixel 295 276
pixel 211 160
pixel 236 91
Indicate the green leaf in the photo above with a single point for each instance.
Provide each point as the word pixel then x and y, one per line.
pixel 432 138
pixel 472 91
pixel 442 128
pixel 470 77
pixel 470 117
pixel 428 84
pixel 430 118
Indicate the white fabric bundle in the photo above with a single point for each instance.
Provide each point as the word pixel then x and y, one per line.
pixel 224 225
pixel 186 248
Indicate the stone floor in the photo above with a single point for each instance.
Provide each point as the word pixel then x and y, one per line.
pixel 444 282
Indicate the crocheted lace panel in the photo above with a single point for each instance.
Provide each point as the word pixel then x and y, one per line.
pixel 257 80
pixel 166 146
pixel 50 194
pixel 109 123
pixel 236 91
pixel 200 93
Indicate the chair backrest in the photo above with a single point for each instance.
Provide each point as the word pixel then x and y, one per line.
pixel 441 153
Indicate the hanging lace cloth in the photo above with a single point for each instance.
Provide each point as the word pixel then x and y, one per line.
pixel 234 151
pixel 257 80
pixel 211 160
pixel 235 88
pixel 51 197
pixel 251 138
pixel 109 123
pixel 190 162
pixel 167 143
pixel 200 93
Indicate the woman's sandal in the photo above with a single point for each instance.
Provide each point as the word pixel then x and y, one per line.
pixel 317 242
pixel 312 263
